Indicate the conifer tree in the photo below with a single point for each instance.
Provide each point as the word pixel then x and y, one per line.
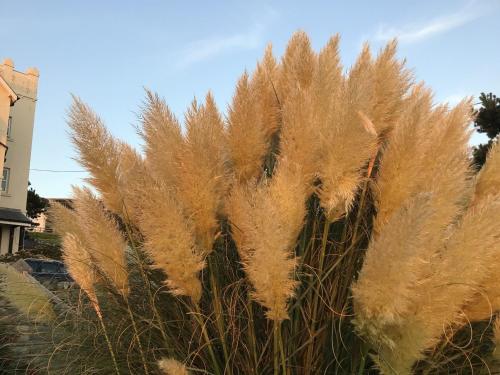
pixel 488 122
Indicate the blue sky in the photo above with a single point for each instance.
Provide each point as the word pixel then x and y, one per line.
pixel 107 51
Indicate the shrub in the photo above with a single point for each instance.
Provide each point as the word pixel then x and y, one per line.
pixel 329 224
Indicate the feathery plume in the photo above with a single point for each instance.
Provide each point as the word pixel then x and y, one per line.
pixel 202 180
pixel 327 84
pixel 488 179
pixel 170 242
pixel 248 139
pixel 399 175
pixel 240 207
pixel 456 276
pixel 103 239
pixel 98 152
pixel 427 153
pixel 63 219
pixel 79 264
pixel 300 138
pixel 275 221
pixel 487 185
pixel 486 301
pixel 133 176
pixel 469 257
pixel 254 117
pixel 108 160
pixel 383 291
pixel 74 248
pixel 391 81
pixel 347 140
pixel 65 222
pixel 263 83
pixel 297 65
pixel 26 294
pixel 172 367
pixel 162 133
pixel 359 86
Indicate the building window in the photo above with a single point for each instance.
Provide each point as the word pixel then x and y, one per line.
pixel 5 180
pixel 9 127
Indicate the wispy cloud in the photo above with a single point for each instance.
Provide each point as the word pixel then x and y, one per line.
pixel 454 99
pixel 419 32
pixel 205 49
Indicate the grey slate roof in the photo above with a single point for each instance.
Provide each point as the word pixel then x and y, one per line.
pixel 13 215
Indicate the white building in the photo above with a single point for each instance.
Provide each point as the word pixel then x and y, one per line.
pixel 18 96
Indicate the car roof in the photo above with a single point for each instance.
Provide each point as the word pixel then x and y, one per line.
pixel 43 260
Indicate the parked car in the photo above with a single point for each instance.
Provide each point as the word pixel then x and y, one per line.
pixel 48 271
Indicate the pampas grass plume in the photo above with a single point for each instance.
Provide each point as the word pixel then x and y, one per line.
pixel 488 179
pixel 79 264
pixel 263 83
pixel 98 151
pixel 162 134
pixel 104 241
pixel 391 81
pixel 172 367
pixel 26 294
pixel 202 180
pixel 271 232
pixel 297 65
pixel 170 242
pixel 248 139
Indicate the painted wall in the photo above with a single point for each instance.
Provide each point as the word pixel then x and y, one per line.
pixel 19 143
pixel 4 118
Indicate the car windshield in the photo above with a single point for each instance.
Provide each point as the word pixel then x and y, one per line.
pixel 47 267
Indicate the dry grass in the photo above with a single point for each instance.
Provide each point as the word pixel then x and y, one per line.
pixel 26 294
pixel 330 224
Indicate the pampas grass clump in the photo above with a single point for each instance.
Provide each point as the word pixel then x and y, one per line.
pixel 329 224
pixel 26 295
